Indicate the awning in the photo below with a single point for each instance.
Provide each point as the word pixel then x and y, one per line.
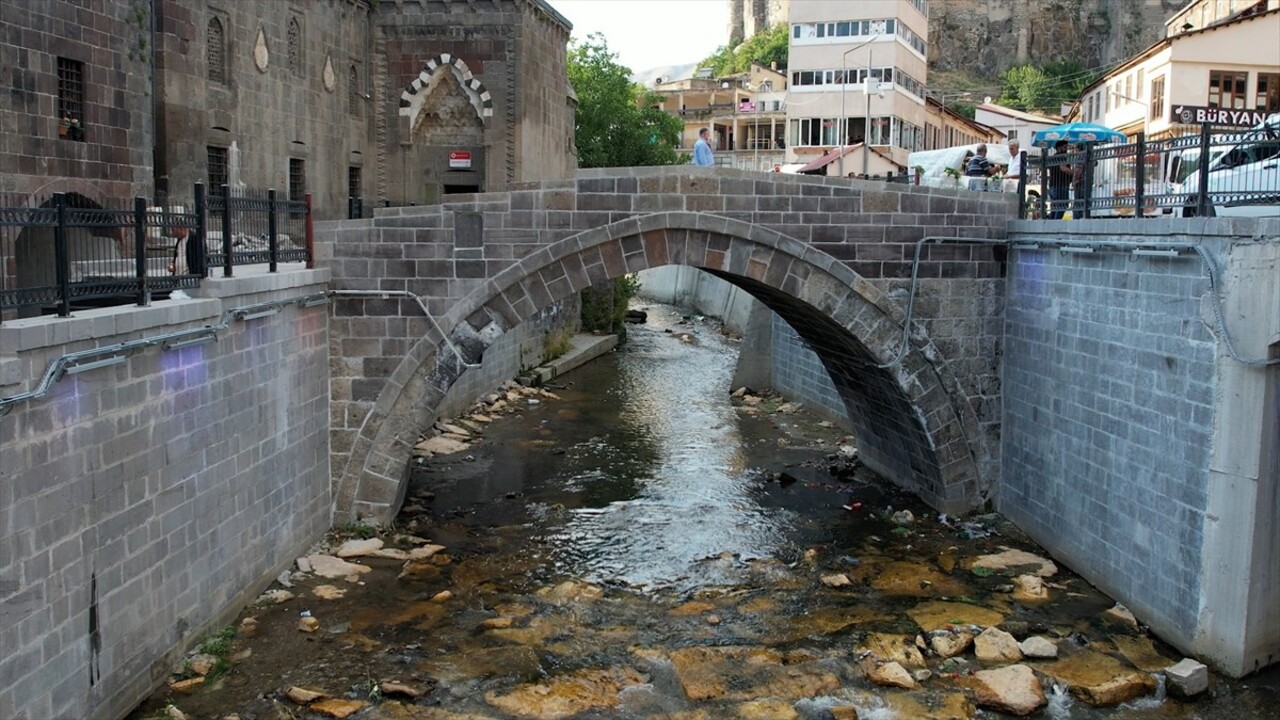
pixel 829 158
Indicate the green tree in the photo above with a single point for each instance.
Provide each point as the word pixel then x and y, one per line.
pixel 765 47
pixel 1043 87
pixel 1025 87
pixel 616 123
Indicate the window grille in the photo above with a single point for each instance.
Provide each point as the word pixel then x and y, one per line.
pixel 71 97
pixel 217 160
pixel 297 179
pixel 295 47
pixel 215 52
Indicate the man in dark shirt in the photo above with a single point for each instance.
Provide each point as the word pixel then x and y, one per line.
pixel 979 165
pixel 1060 174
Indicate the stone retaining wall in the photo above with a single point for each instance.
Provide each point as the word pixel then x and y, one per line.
pixel 144 504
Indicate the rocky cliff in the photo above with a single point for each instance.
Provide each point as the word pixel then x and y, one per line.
pixel 984 37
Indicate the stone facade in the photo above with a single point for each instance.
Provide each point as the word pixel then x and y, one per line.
pixel 144 504
pixel 826 254
pixel 300 97
pixel 1135 448
pixel 104 43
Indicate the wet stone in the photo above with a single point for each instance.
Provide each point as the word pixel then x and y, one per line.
pixel 940 615
pixel 567 695
pixel 1015 559
pixel 887 647
pixel 1014 689
pixel 1141 652
pixel 996 646
pixel 949 644
pixel 1038 648
pixel 337 707
pixel 1099 679
pixel 891 675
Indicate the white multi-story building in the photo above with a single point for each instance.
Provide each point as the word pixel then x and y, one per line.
pixel 858 72
pixel 1219 63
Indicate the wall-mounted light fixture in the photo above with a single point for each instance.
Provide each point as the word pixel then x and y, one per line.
pixel 203 338
pixel 76 368
pixel 247 315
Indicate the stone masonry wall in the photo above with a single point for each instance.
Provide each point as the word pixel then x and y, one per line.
pixel 112 164
pixel 143 504
pixel 271 110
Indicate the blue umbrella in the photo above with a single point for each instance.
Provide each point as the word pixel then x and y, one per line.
pixel 1076 133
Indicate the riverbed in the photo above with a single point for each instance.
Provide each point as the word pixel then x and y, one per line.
pixel 638 541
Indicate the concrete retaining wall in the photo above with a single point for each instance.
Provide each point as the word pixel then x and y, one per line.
pixel 1134 447
pixel 143 504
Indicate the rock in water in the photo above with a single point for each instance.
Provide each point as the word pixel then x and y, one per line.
pixel 1014 689
pixel 329 566
pixel 1038 648
pixel 337 707
pixel 996 646
pixel 301 695
pixel 838 580
pixel 948 644
pixel 892 675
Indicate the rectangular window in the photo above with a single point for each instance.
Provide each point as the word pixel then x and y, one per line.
pixel 1139 85
pixel 795 32
pixel 1268 97
pixel 217 160
pixel 880 129
pixel 1157 98
pixel 297 179
pixel 353 181
pixel 71 98
pixel 1227 89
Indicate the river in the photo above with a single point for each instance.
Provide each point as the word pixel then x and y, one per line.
pixel 641 545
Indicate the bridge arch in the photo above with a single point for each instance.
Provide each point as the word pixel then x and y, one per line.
pixel 912 420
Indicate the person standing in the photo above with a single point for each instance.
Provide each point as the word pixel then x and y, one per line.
pixel 702 150
pixel 1060 174
pixel 1014 171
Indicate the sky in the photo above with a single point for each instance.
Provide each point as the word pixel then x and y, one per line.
pixel 651 33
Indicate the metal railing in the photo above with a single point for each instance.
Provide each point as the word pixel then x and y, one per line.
pixel 68 252
pixel 1203 173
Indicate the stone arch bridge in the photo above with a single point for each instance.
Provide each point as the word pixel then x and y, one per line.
pixel 833 257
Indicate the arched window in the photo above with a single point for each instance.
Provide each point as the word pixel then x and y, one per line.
pixel 295 47
pixel 353 91
pixel 216 52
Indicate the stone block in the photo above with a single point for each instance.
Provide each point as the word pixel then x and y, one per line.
pixel 1187 679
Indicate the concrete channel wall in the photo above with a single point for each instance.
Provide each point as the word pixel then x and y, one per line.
pixel 771 355
pixel 1135 448
pixel 143 504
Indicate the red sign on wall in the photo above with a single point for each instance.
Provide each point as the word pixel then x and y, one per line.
pixel 459 159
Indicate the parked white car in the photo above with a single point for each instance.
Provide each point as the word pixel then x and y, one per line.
pixel 1244 180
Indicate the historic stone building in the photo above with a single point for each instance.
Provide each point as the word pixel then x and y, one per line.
pixel 394 101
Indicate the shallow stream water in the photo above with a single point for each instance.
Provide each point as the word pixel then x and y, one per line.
pixel 641 546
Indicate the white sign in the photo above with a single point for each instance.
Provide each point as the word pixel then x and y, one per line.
pixel 459 159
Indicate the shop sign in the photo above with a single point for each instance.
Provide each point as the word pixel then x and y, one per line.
pixel 459 159
pixel 1196 114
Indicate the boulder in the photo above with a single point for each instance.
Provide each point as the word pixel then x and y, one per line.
pixel 996 646
pixel 202 663
pixel 357 547
pixel 395 688
pixel 1120 615
pixel 838 580
pixel 186 686
pixel 328 592
pixel 425 551
pixel 308 624
pixel 1014 689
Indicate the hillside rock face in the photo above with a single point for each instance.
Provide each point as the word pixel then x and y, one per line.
pixel 986 37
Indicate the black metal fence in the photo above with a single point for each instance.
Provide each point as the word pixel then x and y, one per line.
pixel 68 252
pixel 1202 173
